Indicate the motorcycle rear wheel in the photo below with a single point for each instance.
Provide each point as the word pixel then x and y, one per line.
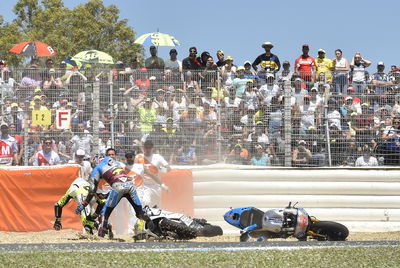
pixel 209 231
pixel 330 231
pixel 182 231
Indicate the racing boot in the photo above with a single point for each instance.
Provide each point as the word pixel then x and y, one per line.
pixel 102 229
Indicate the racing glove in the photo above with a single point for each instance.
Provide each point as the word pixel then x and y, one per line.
pixel 81 207
pixel 57 224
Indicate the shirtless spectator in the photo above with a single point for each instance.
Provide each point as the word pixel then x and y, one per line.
pixel 301 155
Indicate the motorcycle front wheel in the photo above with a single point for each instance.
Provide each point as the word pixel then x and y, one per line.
pixel 329 231
pixel 180 231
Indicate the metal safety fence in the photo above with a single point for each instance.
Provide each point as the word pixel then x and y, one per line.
pixel 203 117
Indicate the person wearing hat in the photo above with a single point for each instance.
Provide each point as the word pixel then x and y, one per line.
pixel 37 102
pixel 191 62
pixel 268 61
pixel 240 82
pixel 248 72
pixel 173 63
pixel 8 147
pixel 366 160
pixel 380 80
pixel 260 158
pixel 305 66
pixel 86 168
pixel 358 75
pixel 308 112
pixel 221 58
pixel 258 135
pixel 301 156
pixel 228 72
pixel 324 65
pixel 238 155
pixel 154 62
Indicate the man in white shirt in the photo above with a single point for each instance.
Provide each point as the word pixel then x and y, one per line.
pixel 46 156
pixel 149 193
pixel 366 160
pixel 173 63
pixel 86 168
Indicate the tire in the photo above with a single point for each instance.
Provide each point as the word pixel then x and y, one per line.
pixel 332 231
pixel 209 231
pixel 177 230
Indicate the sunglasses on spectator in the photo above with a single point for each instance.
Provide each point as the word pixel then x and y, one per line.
pixel 48 143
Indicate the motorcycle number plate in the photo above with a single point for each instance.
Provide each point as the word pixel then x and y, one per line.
pixel 186 220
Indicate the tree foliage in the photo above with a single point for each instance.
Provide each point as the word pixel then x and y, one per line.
pixel 87 26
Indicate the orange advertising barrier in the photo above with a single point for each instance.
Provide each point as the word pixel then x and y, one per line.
pixel 28 194
pixel 180 195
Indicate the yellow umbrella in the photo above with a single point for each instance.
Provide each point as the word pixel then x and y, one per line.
pixel 93 57
pixel 157 39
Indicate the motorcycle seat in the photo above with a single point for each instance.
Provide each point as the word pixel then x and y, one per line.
pixel 252 216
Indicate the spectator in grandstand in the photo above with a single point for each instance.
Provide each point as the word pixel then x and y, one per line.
pixel 248 73
pixel 148 117
pixel 305 66
pixel 366 160
pixel 191 121
pixel 250 96
pixel 221 58
pixel 238 155
pixel 191 62
pixel 8 147
pixel 47 156
pixel 228 72
pixel 185 155
pixel 154 62
pixel 380 80
pixel 347 153
pixel 190 86
pixel 269 90
pixel 267 60
pixel 301 156
pixel 286 74
pixel 363 126
pixel 341 72
pixel 259 135
pixel 260 158
pixel 324 65
pixel 308 113
pixel 358 74
pixel 239 83
pixel 82 140
pixel 31 77
pixel 173 63
pixel 333 115
pixel 143 82
pixel 391 141
pixel 298 92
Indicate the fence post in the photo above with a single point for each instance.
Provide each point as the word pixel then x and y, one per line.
pixel 327 136
pixel 111 107
pixel 219 139
pixel 288 123
pixel 96 116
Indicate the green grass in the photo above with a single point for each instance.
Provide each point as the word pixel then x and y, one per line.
pixel 354 257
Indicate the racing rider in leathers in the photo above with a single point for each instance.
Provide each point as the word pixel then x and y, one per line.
pixel 123 186
pixel 78 191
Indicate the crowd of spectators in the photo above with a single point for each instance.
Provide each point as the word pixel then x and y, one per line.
pixel 202 111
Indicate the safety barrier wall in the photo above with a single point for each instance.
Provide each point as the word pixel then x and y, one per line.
pixel 362 199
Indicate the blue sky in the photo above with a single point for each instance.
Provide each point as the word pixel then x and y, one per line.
pixel 240 27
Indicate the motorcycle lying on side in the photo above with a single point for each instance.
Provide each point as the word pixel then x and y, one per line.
pixel 283 223
pixel 175 226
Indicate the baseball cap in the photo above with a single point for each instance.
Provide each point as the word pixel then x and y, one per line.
pixel 3 124
pixel 306 45
pixel 129 154
pixel 302 142
pixel 173 51
pixel 119 62
pixel 267 44
pixel 152 47
pixel 247 62
pixel 258 146
pixel 37 97
pixel 240 68
pixel 286 63
pixel 64 101
pixel 350 89
pixel 14 104
pixel 37 90
pixel 321 50
pixel 349 98
pixel 270 76
pixel 366 104
pixel 143 70
pixel 381 63
pixel 80 152
pixel 229 58
pixel 220 52
pixel 307 96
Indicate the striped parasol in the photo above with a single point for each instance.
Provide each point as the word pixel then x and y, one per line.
pixel 157 39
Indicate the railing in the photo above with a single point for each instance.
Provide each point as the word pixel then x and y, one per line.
pixel 203 117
